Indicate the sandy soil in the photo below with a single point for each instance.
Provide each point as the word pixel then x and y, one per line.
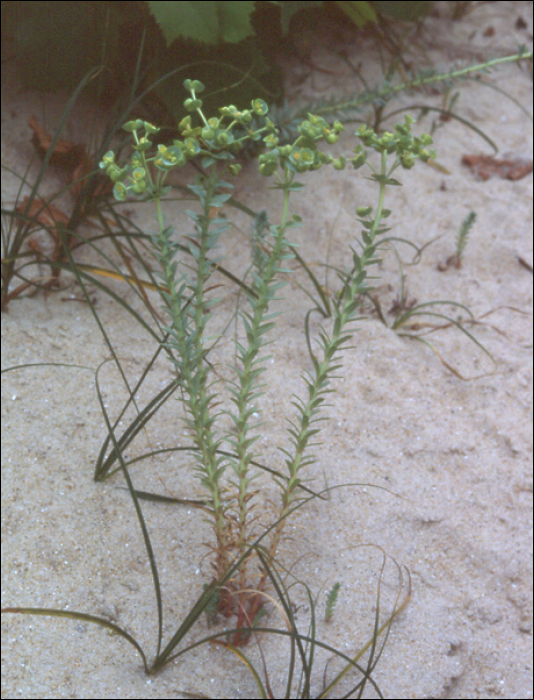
pixel 458 452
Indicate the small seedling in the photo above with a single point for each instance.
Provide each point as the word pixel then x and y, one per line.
pixel 455 260
pixel 461 238
pixel 331 600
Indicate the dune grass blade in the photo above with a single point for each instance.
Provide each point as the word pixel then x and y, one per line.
pixel 29 216
pixel 84 617
pixel 203 601
pixel 379 629
pixel 103 463
pixel 44 364
pixel 263 692
pixel 506 94
pixel 140 517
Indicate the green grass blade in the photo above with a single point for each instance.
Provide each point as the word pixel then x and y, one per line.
pixel 104 465
pixel 250 667
pixel 139 512
pixel 460 327
pixel 84 617
pixel 506 94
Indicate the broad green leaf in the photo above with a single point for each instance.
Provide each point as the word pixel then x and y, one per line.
pixel 361 13
pixel 209 21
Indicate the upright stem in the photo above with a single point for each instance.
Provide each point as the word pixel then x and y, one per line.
pixel 265 287
pixel 193 370
pixel 319 380
pixel 200 401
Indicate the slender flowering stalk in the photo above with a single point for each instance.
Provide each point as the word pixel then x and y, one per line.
pixel 405 149
pixel 247 390
pixel 185 300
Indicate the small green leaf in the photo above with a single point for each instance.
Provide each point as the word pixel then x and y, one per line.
pixel 133 125
pixel 119 191
pixel 260 107
pixel 144 145
pixel 150 128
pixel 377 178
pixel 191 105
pixel 193 85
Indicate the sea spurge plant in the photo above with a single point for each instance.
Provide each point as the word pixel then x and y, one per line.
pixel 224 461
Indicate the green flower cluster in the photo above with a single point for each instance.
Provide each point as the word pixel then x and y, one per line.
pixel 406 146
pixel 304 154
pixel 218 133
pixel 220 138
pixel 216 138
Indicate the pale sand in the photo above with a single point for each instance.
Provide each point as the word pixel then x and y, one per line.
pixel 458 452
